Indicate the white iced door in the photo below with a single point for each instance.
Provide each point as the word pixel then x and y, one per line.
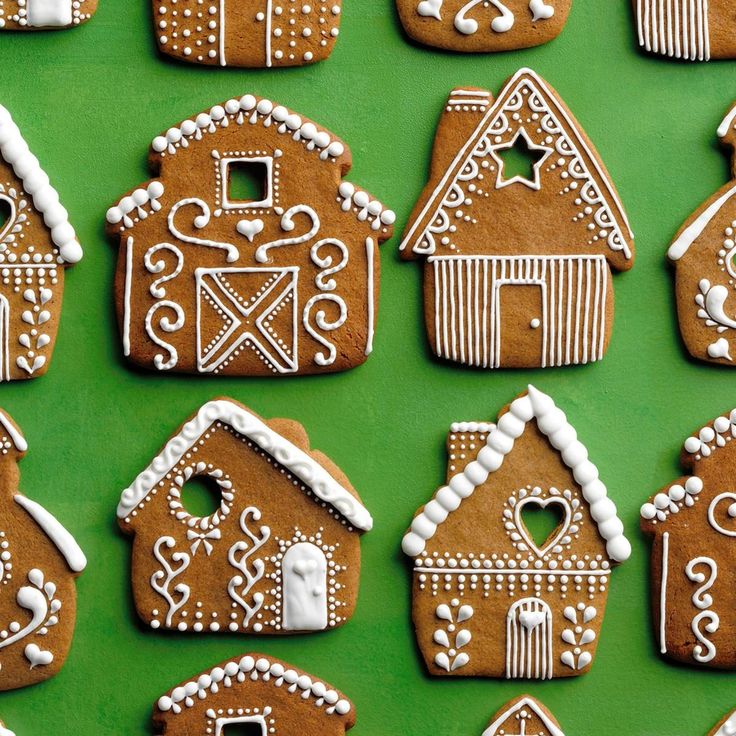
pixel 304 570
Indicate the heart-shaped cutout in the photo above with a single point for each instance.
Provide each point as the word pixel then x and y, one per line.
pixel 38 657
pixel 558 531
pixel 7 215
pixel 430 8
pixel 541 10
pixel 531 619
pixel 250 228
pixel 304 567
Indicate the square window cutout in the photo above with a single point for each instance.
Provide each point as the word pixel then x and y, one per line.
pixel 247 182
pixel 243 726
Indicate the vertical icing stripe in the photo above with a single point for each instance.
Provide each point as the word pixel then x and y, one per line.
pixel 126 297
pixel 223 59
pixel 369 253
pixel 675 28
pixel 663 594
pixel 269 10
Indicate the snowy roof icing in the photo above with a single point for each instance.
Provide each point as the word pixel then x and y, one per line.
pixel 295 460
pixel 728 727
pixel 13 433
pixel 254 667
pixel 553 423
pixel 15 152
pixel 524 703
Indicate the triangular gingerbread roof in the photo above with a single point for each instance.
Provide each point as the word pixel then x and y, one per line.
pixel 553 423
pixel 510 711
pixel 688 235
pixel 603 213
pixel 15 153
pixel 301 464
pixel 726 727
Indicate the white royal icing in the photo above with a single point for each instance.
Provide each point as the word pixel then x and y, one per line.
pixel 553 423
pixel 298 462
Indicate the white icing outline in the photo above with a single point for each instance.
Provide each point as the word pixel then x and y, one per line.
pixel 254 667
pixel 553 423
pixel 14 151
pixel 524 702
pixel 64 541
pixel 727 728
pixel 296 461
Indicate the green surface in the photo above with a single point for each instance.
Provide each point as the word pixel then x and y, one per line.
pixel 89 102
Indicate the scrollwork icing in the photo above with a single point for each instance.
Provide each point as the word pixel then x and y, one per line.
pixel 326 263
pixel 287 225
pixel 162 363
pixel 324 324
pixel 156 288
pixel 161 580
pixel 200 221
pixel 249 572
pixel 706 622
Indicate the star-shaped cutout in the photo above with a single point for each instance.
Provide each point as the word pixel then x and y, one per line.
pixel 536 156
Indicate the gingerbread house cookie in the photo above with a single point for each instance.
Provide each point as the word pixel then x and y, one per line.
pixel 276 279
pixel 704 254
pixel 36 244
pixel 692 523
pixel 524 716
pixel 517 269
pixel 256 695
pixel 40 15
pixel 39 561
pixel 280 554
pixel 255 34
pixel 725 727
pixel 694 30
pixel 489 599
pixel 483 25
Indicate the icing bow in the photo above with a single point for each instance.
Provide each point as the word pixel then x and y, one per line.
pixel 202 538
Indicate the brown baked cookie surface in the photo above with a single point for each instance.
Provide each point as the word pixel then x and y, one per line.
pixel 249 33
pixel 692 522
pixel 483 25
pixel 695 30
pixel 524 716
pixel 280 553
pixel 725 727
pixel 249 255
pixel 39 561
pixel 43 15
pixel 517 259
pixel 259 694
pixel 37 243
pixel 490 598
pixel 704 255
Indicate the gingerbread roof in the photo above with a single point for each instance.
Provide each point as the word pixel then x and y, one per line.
pixel 727 727
pixel 295 460
pixel 604 213
pixel 553 423
pixel 525 702
pixel 688 235
pixel 255 667
pixel 15 152
pixel 13 433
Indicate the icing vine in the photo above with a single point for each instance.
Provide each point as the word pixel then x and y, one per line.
pixel 452 638
pixel 162 580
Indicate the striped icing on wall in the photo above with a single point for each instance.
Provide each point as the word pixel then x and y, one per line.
pixel 529 640
pixel 467 306
pixel 676 28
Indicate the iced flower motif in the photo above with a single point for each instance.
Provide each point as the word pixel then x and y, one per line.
pixel 677 497
pixel 578 636
pixel 450 638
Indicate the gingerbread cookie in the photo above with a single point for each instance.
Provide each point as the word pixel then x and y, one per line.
pixel 41 15
pixel 524 716
pixel 254 694
pixel 277 280
pixel 726 727
pixel 279 554
pixel 36 244
pixel 39 561
pixel 518 263
pixel 5 731
pixel 704 256
pixel 489 598
pixel 692 524
pixel 695 30
pixel 483 25
pixel 233 33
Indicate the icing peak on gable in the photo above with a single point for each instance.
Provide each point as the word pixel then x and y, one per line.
pixel 727 128
pixel 524 703
pixel 13 433
pixel 553 423
pixel 15 152
pixel 297 461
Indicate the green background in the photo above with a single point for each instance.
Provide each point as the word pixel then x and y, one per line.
pixel 89 101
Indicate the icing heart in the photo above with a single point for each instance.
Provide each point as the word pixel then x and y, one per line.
pixel 543 503
pixel 304 567
pixel 250 228
pixel 531 619
pixel 430 8
pixel 541 10
pixel 38 657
